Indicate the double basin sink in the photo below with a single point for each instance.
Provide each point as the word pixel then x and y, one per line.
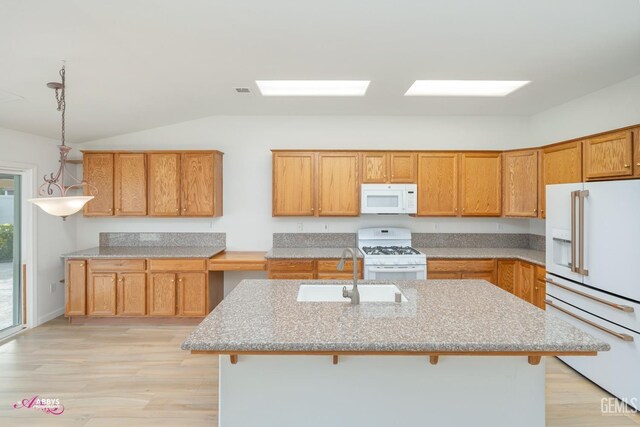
pixel 333 293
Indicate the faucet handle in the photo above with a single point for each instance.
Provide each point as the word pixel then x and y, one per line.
pixel 345 292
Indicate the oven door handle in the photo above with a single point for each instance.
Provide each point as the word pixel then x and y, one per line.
pixel 395 268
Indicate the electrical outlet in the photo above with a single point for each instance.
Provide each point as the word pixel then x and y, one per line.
pixel 299 227
pixel 325 228
pixel 499 226
pixel 435 226
pixel 52 287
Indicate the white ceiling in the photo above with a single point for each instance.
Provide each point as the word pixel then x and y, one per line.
pixel 138 64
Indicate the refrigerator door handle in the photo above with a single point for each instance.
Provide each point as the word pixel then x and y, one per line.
pixel 581 269
pixel 623 337
pixel 574 267
pixel 621 307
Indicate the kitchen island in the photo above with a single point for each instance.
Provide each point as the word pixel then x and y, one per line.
pixel 454 352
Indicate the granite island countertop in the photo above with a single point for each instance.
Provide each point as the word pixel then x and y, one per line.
pixel 528 255
pixel 440 316
pixel 146 252
pixel 306 253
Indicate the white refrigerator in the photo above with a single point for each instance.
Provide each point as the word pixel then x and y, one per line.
pixel 593 276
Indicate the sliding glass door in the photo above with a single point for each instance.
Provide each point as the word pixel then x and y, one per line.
pixel 10 259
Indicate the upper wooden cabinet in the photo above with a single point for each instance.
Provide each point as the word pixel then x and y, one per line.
pixel 98 171
pixel 561 164
pixel 338 185
pixel 294 184
pixel 438 184
pixel 388 167
pixel 520 183
pixel 608 156
pixel 480 189
pixel 130 184
pixel 187 183
pixel 316 184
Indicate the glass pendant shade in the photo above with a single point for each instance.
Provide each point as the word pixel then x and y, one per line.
pixel 61 206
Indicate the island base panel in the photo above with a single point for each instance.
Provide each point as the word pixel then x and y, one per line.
pixel 372 391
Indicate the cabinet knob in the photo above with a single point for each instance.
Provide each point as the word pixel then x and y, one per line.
pixel 637 164
pixel 184 209
pixel 110 210
pixel 535 211
pixel 627 166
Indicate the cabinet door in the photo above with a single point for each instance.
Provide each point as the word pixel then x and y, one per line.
pixel 132 294
pixel 525 281
pixel 197 184
pixel 375 168
pixel 507 274
pixel 278 275
pixel 162 294
pixel 192 294
pixel 130 182
pixel 164 184
pixel 520 182
pixel 403 167
pixel 338 185
pixel 75 304
pixel 293 184
pixel 489 276
pixel 608 156
pixel 101 294
pixel 480 189
pixel 97 169
pixel 539 293
pixel 561 164
pixel 438 184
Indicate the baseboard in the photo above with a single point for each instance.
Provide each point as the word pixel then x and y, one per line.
pixel 50 316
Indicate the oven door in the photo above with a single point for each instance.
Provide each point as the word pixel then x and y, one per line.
pixel 413 272
pixel 382 201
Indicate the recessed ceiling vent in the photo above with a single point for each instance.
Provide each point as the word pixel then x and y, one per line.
pixel 242 90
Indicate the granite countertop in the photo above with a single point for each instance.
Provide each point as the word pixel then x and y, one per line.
pixel 439 316
pixel 529 255
pixel 147 252
pixel 303 253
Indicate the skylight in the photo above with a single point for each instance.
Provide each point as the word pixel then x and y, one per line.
pixel 464 87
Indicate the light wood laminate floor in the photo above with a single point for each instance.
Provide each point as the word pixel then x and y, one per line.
pixel 138 376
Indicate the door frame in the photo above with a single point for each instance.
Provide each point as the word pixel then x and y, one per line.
pixel 28 236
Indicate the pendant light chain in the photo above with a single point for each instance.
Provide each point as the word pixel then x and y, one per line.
pixel 61 100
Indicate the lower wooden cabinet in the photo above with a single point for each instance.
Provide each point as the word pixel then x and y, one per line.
pixel 309 269
pixel 523 279
pixel 483 269
pixel 138 287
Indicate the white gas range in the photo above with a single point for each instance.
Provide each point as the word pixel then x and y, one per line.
pixel 388 255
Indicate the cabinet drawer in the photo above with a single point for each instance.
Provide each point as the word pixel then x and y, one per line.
pixel 331 265
pixel 117 265
pixel 291 265
pixel 541 273
pixel 177 264
pixel 291 276
pixel 466 265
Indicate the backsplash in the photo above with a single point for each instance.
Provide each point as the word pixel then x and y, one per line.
pixel 537 242
pixel 163 239
pixel 314 240
pixel 470 240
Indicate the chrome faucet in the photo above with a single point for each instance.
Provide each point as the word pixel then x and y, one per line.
pixel 353 294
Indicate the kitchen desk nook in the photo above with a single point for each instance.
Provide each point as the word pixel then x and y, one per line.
pixel 452 352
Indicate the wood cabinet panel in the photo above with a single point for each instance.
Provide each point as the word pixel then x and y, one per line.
pixel 293 184
pixel 281 275
pixel 101 294
pixel 162 294
pixel 461 265
pixel 117 265
pixel 520 183
pixel 130 184
pixel 608 156
pixel 197 184
pixel 403 167
pixel 97 169
pixel 450 275
pixel 192 294
pixel 76 281
pixel 375 168
pixel 338 185
pixel 132 294
pixel 438 184
pixel 177 264
pixel 480 184
pixel 525 281
pixel 636 151
pixel 287 265
pixel 507 271
pixel 489 276
pixel 561 164
pixel 331 265
pixel 164 184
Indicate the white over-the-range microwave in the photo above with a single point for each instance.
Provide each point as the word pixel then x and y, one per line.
pixel 389 199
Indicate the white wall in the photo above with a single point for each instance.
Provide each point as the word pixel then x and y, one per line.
pixel 53 236
pixel 247 140
pixel 613 107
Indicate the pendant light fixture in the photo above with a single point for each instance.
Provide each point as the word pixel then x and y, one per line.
pixel 53 192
